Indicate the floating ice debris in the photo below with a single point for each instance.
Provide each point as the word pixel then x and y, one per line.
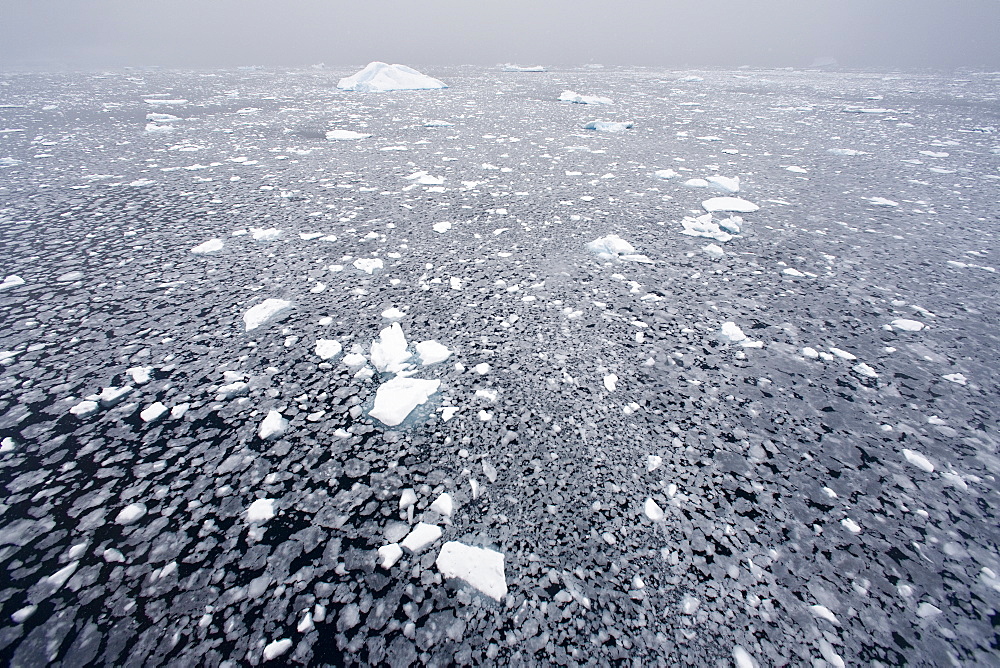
pixel 481 568
pixel 925 610
pixel 432 352
pixel 653 462
pixel 263 312
pixel 865 370
pixel 393 313
pixel 850 525
pixel 265 234
pixel 796 169
pixel 272 426
pixel 84 409
pixel 232 390
pixel 111 396
pixel 846 151
pixel 23 614
pixel 724 183
pixel 140 374
pixel 421 536
pixel 843 354
pixel 11 281
pixel 955 378
pixel 162 118
pixel 154 412
pixel 826 649
pixel 907 325
pixel 610 382
pixel 153 128
pixel 695 183
pixel 379 77
pixel 508 67
pixel 407 499
pixel 824 612
pixel 389 554
pixel 328 348
pixel 260 510
pixel 425 179
pixel 743 658
pixel 918 460
pixel 729 204
pixel 613 247
pixel 438 124
pixel 443 505
pixel 731 332
pixel 389 352
pixel 689 605
pixel 691 78
pixel 441 228
pixel 210 246
pixel 369 265
pixel 881 201
pixel 576 98
pixel 608 126
pixel 345 135
pixel 131 514
pixel 277 648
pixel 653 510
pixel 665 174
pixel 714 251
pixel 396 398
pixel 482 369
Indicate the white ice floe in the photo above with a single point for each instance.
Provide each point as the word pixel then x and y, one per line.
pixel 795 169
pixel 328 348
pixel 508 67
pixel 432 352
pixel 154 412
pixel 850 525
pixel 85 408
pixel 396 398
pixel 653 462
pixel 166 102
pixel 608 126
pixel 865 370
pixel 421 537
pixel 277 648
pixel 881 201
pixel 260 510
pixel 140 374
pixel 263 312
pixel 131 514
pixel 272 426
pixel 345 135
pixel 695 183
pixel 576 98
pixel 705 226
pixel 379 77
pixel 918 460
pixel 956 378
pixel 389 352
pixel 732 332
pixel 824 612
pixel 735 204
pixel 845 151
pixel 713 251
pixel 388 555
pixel 393 313
pixel 743 658
pixel 12 281
pixel 112 396
pixel 793 272
pixel 441 228
pixel 425 179
pixel 210 246
pixel 407 499
pixel 265 233
pixel 907 325
pixel 610 382
pixel 724 183
pixel 653 510
pixel 443 505
pixel 438 124
pixel 925 610
pixel 665 174
pixel 481 568
pixel 369 265
pixel 153 128
pixel 613 247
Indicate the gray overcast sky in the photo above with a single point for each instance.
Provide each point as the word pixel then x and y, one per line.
pixel 675 33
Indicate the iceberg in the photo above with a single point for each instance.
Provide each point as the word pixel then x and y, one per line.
pixel 379 77
pixel 608 126
pixel 704 226
pixel 613 247
pixel 508 67
pixel 729 204
pixel 396 398
pixel 481 568
pixel 576 98
pixel 342 135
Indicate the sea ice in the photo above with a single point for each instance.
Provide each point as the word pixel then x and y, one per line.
pixel 732 332
pixel 918 460
pixel 881 201
pixel 277 648
pixel 441 228
pixel 85 408
pixel 153 413
pixel 389 555
pixel 396 398
pixel 379 77
pixel 272 426
pixel 743 658
pixel 432 352
pixel 573 96
pixel 653 510
pixel 369 265
pixel 345 135
pixel 665 174
pixel 508 67
pixel 12 281
pixel 956 378
pixel 481 568
pixel 266 310
pixel 653 462
pixel 714 251
pixel 421 536
pixel 328 348
pixel 613 247
pixel 704 226
pixel 610 382
pixel 724 183
pixel 111 396
pixel 131 514
pixel 389 353
pixel 907 325
pixel 608 126
pixel 210 246
pixel 260 510
pixel 443 505
pixel 729 204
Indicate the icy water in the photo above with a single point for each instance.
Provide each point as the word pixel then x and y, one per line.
pixel 775 442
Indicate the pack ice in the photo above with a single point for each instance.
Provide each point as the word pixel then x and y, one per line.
pixel 378 77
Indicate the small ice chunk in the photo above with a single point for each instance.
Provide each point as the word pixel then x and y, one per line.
pixel 393 313
pixel 689 605
pixel 432 352
pixel 379 77
pixel 850 525
pixel 824 612
pixel 865 370
pixel 743 658
pixel 443 505
pixel 84 409
pixel 369 265
pixel 344 135
pixel 610 382
pixel 407 499
pixel 653 511
pixel 12 281
pixel 793 272
pixel 396 398
pixel 925 610
pixel 260 510
pixel 481 568
pixel 907 325
pixel 918 460
pixel 263 312
pixel 421 536
pixel 796 169
pixel 111 396
pixel 277 648
pixel 714 251
pixel 140 374
pixel 272 426
pixel 696 183
pixel 210 246
pixel 731 332
pixel 608 126
pixel 735 204
pixel 881 201
pixel 665 174
pixel 443 227
pixel 576 98
pixel 845 151
pixel 653 462
pixel 179 410
pixel 811 353
pixel 613 247
pixel 482 369
pixel 389 353
pixel 265 233
pixel 704 226
pixel 955 378
pixel 389 554
pixel 21 615
pixel 724 183
pixel 131 514
pixel 153 413
pixel 843 354
pixel 328 348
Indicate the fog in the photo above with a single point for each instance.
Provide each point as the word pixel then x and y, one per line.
pixel 222 33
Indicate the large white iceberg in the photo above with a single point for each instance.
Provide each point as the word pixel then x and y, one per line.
pixel 576 98
pixel 378 77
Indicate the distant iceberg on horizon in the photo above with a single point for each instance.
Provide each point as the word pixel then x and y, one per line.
pixel 379 77
pixel 509 67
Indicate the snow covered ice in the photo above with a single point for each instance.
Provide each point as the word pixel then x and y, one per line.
pixel 379 77
pixel 481 568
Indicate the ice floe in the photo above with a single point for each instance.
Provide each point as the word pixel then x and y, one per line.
pixel 705 226
pixel 380 77
pixel 735 204
pixel 481 568
pixel 432 352
pixel 509 67
pixel 12 281
pixel 576 98
pixel 260 510
pixel 210 246
pixel 613 247
pixel 345 135
pixel 389 352
pixel 421 536
pixel 328 348
pixel 907 325
pixel 608 126
pixel 397 397
pixel 272 426
pixel 265 311
pixel 918 460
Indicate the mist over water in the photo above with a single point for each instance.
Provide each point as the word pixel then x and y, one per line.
pixel 773 33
